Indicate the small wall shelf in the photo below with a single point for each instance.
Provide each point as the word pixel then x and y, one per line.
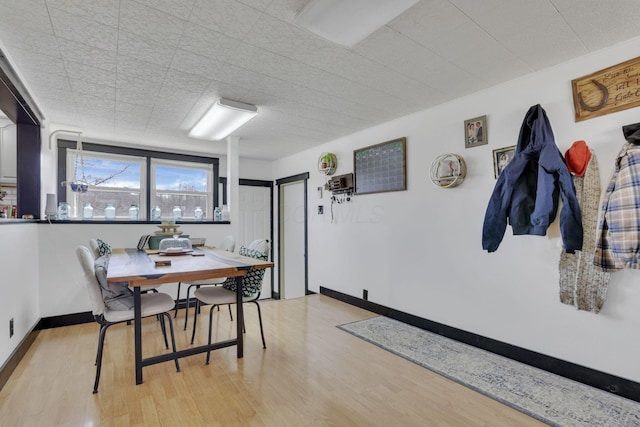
pixel 327 163
pixel 448 170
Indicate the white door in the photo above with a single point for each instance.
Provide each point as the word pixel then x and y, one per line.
pixel 255 223
pixel 292 238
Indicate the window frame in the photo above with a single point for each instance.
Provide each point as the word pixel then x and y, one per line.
pixel 64 145
pixel 155 162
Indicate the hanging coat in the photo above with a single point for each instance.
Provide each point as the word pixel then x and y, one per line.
pixel 618 236
pixel 581 283
pixel 527 191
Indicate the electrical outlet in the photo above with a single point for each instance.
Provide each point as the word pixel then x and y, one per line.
pixel 365 294
pixel 10 328
pixel 320 209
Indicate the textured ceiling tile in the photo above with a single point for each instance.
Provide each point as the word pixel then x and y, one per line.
pixel 101 11
pixel 593 29
pixel 463 42
pixel 177 95
pixel 225 16
pixel 137 116
pixel 43 80
pixel 178 8
pixel 88 88
pixel 187 81
pixel 33 41
pixel 509 18
pixel 123 107
pixel 134 67
pixel 545 44
pixel 87 55
pixel 261 5
pixel 131 97
pixel 210 68
pixel 78 71
pixel 398 52
pixel 27 60
pixel 81 30
pixel 88 103
pixel 276 36
pixel 134 45
pixel 150 23
pixel 481 64
pixel 286 9
pixel 429 20
pixel 12 13
pixel 320 53
pixel 206 42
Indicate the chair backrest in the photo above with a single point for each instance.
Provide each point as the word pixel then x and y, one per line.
pixel 228 244
pixel 252 282
pixel 87 261
pixel 93 243
pixel 260 245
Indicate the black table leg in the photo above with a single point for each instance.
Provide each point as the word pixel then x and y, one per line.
pixel 239 317
pixel 137 328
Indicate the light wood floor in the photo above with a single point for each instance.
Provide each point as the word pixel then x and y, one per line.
pixel 311 374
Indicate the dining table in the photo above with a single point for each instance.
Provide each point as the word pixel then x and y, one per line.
pixel 148 267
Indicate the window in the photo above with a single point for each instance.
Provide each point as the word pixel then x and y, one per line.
pixel 183 184
pixel 112 179
pixel 121 177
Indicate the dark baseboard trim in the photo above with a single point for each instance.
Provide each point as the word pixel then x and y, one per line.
pixel 17 355
pixel 64 320
pixel 597 379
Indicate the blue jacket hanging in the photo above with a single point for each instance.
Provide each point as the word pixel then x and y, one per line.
pixel 526 193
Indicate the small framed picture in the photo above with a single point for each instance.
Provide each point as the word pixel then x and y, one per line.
pixel 475 132
pixel 501 158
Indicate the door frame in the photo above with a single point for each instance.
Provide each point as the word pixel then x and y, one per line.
pixel 304 177
pixel 257 183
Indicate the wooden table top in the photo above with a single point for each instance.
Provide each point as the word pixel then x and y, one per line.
pixel 139 268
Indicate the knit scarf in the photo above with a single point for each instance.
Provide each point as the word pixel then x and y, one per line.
pixel 581 284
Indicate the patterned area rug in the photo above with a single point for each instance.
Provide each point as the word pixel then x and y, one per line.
pixel 550 398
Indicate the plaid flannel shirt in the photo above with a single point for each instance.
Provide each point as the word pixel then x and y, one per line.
pixel 618 233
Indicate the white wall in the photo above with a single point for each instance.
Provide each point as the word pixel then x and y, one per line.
pixel 62 288
pixel 19 259
pixel 420 250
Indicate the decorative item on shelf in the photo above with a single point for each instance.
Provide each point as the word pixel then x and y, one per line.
pixel 168 228
pixel 156 213
pixel 50 209
pixel 87 212
pixel 110 212
pixel 327 163
pixel 63 211
pixel 134 212
pixel 217 214
pixel 448 170
pixel 198 214
pixel 79 185
pixel 225 213
pixel 177 213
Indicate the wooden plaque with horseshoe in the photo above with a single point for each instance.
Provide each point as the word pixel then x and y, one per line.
pixel 606 91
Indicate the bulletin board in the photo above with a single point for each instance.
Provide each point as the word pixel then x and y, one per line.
pixel 381 167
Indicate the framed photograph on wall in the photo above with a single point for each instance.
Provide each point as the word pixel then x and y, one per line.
pixel 475 132
pixel 501 158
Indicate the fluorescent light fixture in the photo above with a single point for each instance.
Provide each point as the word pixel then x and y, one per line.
pixel 222 119
pixel 347 22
